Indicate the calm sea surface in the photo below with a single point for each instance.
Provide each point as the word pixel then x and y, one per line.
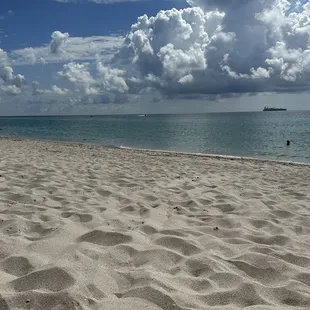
pixel 257 134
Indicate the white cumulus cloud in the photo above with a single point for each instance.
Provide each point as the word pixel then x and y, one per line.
pixel 221 46
pixel 10 83
pixel 60 91
pixel 55 90
pixel 106 83
pixel 78 75
pixel 111 80
pixel 58 39
pixel 64 48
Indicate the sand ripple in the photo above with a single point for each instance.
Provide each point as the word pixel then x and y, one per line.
pixel 91 228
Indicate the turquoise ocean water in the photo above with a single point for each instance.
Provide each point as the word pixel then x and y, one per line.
pixel 253 134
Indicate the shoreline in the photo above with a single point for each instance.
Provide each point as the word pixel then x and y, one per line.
pixel 162 152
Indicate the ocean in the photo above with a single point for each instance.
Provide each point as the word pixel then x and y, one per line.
pixel 248 134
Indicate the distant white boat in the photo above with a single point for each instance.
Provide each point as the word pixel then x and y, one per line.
pixel 142 115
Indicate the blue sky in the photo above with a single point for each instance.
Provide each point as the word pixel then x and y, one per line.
pixel 33 21
pixel 182 56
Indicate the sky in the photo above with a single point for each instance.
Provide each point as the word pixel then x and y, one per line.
pixel 153 56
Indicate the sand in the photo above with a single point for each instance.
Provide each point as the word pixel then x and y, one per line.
pixel 85 227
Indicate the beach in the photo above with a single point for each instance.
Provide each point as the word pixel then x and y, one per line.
pixel 90 227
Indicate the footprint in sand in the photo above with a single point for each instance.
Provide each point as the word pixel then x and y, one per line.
pixel 54 279
pixel 105 238
pixel 16 265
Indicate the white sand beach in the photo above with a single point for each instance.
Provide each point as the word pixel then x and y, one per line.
pixel 93 228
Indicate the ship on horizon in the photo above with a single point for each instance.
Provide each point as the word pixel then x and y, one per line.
pixel 273 109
